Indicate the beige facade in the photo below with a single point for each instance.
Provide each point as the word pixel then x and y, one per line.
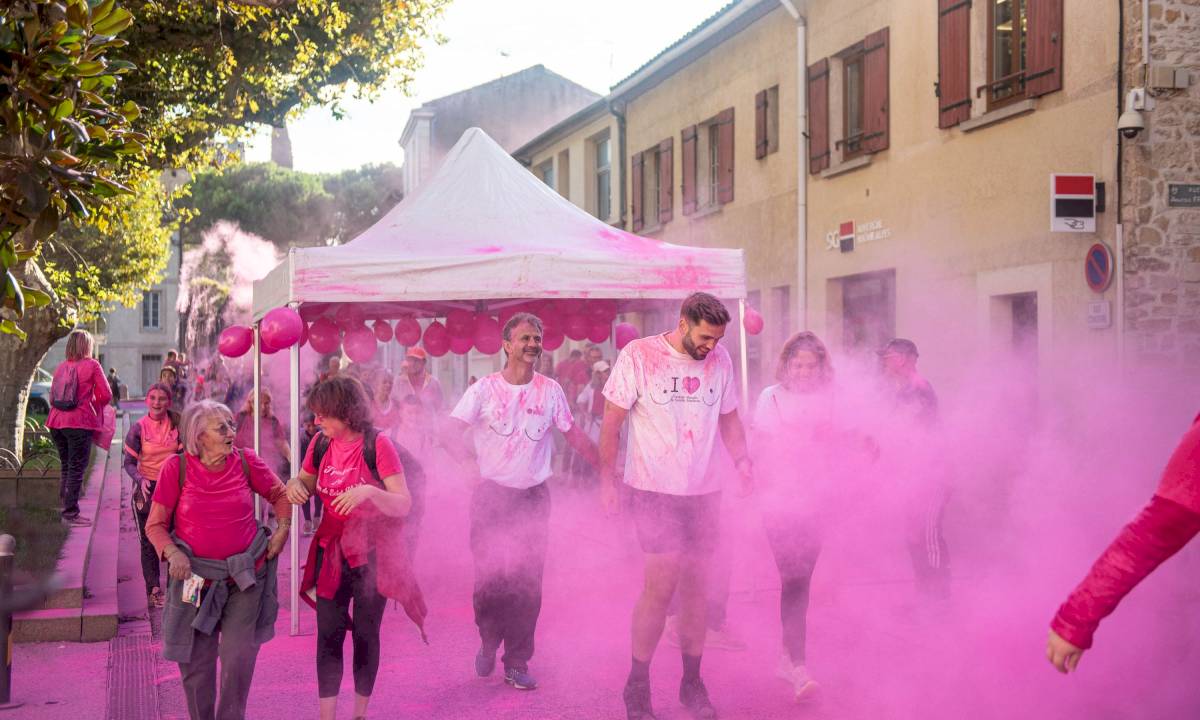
pixel 953 244
pixel 578 158
pixel 756 53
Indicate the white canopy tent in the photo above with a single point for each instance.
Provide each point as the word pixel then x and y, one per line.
pixel 481 234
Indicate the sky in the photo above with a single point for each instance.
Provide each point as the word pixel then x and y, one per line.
pixel 593 44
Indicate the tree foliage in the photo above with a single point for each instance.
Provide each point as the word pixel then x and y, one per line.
pixel 288 207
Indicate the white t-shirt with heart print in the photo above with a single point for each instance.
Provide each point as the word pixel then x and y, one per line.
pixel 674 403
pixel 512 427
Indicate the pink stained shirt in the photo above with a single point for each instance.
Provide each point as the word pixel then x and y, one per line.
pixel 92 393
pixel 1168 522
pixel 215 514
pixel 343 467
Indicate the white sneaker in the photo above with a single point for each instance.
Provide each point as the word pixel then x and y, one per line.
pixel 804 687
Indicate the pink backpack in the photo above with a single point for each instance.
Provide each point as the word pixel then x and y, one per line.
pixel 64 390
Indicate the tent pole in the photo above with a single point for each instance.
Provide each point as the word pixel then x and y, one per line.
pixel 258 509
pixel 296 455
pixel 744 352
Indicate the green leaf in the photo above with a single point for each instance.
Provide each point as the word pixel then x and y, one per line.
pixel 77 128
pixel 101 11
pixel 119 67
pixel 8 255
pixel 46 224
pixel 36 298
pixel 117 21
pixel 55 58
pixel 63 109
pixel 8 327
pixel 130 111
pixel 89 68
pixel 76 205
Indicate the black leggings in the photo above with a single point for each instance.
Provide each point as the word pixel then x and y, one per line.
pixel 74 447
pixel 151 566
pixel 334 619
pixel 796 548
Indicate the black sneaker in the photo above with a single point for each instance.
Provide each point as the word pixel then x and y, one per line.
pixel 637 700
pixel 694 697
pixel 485 662
pixel 519 679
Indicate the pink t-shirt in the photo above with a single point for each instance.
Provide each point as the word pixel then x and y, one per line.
pixel 343 466
pixel 92 393
pixel 215 515
pixel 674 403
pixel 511 427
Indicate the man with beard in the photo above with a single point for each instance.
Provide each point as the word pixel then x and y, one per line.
pixel 678 391
pixel 510 415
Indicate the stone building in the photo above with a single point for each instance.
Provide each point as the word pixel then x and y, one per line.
pixel 1160 194
pixel 511 109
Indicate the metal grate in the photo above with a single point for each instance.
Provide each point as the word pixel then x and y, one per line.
pixel 131 671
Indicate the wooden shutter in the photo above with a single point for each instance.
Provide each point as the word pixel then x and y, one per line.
pixel 875 91
pixel 760 125
pixel 725 156
pixel 687 166
pixel 818 116
pixel 1043 61
pixel 666 180
pixel 954 62
pixel 635 190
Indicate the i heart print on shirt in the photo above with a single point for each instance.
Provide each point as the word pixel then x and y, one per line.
pixel 686 389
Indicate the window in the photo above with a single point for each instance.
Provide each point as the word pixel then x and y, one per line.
pixel 545 172
pixel 152 310
pixel 602 202
pixel 650 187
pixel 151 366
pixel 1024 50
pixel 707 163
pixel 712 165
pixel 1007 26
pixel 564 173
pixel 852 104
pixel 766 122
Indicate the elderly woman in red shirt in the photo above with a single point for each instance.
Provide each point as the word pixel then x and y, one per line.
pixel 148 444
pixel 221 557
pixel 350 560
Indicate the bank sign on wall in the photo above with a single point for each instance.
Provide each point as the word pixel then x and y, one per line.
pixel 1072 203
pixel 849 233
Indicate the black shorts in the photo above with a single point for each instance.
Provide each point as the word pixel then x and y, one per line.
pixel 676 523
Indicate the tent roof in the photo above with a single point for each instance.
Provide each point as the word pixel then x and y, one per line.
pixel 484 228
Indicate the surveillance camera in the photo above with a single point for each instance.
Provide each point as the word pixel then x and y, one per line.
pixel 1131 123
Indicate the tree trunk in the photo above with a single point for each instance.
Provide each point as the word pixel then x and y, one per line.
pixel 44 326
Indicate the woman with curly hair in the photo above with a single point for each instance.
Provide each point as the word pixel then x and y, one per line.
pixel 358 475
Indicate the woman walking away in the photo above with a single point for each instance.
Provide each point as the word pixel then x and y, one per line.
pixel 358 553
pixel 148 444
pixel 78 395
pixel 801 452
pixel 221 598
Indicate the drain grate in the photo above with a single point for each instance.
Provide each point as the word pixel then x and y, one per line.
pixel 131 672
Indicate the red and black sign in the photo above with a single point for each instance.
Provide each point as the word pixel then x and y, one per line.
pixel 1098 267
pixel 1073 203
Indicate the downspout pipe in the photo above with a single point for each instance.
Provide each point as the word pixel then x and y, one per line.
pixel 619 114
pixel 801 162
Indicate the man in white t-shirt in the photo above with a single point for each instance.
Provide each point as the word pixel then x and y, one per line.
pixel 511 416
pixel 678 391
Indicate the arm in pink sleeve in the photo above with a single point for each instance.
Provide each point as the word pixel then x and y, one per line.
pixel 101 392
pixel 1159 531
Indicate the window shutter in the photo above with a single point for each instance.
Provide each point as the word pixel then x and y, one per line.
pixel 725 156
pixel 635 204
pixel 666 180
pixel 1043 63
pixel 818 116
pixel 687 165
pixel 760 124
pixel 954 62
pixel 875 91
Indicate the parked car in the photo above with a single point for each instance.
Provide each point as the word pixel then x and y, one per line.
pixel 39 393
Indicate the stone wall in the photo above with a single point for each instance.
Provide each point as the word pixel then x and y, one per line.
pixel 1162 243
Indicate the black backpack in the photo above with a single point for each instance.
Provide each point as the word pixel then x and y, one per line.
pixel 64 390
pixel 414 474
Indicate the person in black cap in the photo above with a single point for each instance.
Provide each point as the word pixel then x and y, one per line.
pixel 913 398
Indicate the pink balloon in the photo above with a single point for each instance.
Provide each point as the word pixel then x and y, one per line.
pixel 603 309
pixel 437 339
pixel 460 323
pixel 461 345
pixel 303 334
pixel 506 313
pixel 577 327
pixel 348 316
pixel 552 338
pixel 266 349
pixel 383 331
pixel 550 314
pixel 599 330
pixel 360 344
pixel 408 332
pixel 235 341
pixel 488 335
pixel 324 336
pixel 281 328
pixel 624 334
pixel 753 322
